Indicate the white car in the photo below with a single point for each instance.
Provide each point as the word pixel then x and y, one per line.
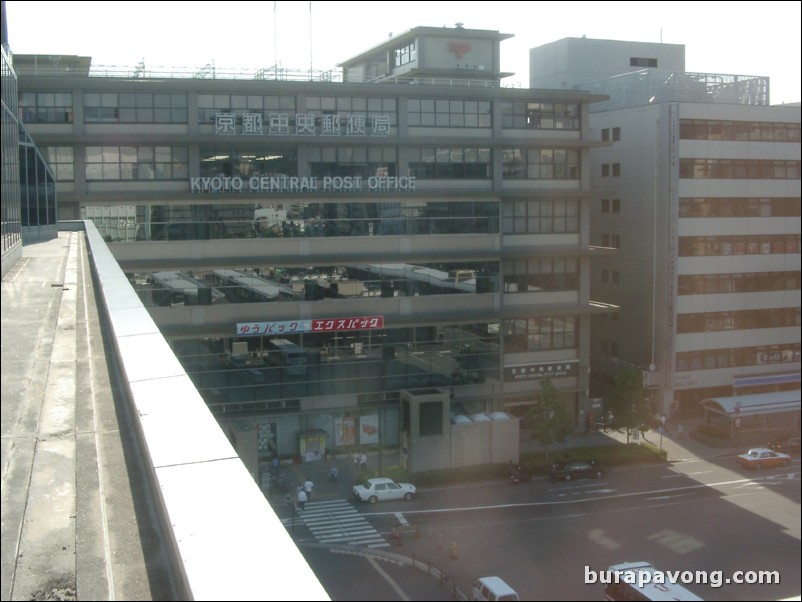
pixel 760 457
pixel 380 489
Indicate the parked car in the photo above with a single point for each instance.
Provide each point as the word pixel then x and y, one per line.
pixel 576 469
pixel 762 457
pixel 786 445
pixel 380 489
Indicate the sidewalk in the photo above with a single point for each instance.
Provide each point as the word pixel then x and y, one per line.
pixel 679 446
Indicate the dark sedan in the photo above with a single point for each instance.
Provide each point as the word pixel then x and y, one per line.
pixel 576 469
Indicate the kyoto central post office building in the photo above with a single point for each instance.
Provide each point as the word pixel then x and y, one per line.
pixel 417 232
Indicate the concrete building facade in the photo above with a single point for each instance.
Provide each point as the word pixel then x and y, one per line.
pixel 699 194
pixel 429 230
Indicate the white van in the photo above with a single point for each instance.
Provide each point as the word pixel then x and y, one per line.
pixel 493 588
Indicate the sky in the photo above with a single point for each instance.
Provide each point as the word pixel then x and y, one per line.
pixel 744 38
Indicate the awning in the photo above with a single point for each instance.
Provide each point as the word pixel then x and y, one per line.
pixel 754 405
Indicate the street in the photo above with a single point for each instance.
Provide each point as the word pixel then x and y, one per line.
pixel 542 537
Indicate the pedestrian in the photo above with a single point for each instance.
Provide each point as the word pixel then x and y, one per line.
pixel 333 473
pixel 680 431
pixel 276 464
pixel 363 461
pixel 301 499
pixel 610 419
pixel 308 484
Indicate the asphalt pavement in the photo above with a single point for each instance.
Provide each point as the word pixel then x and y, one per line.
pixel 411 565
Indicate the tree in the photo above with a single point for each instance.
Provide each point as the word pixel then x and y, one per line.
pixel 549 419
pixel 627 400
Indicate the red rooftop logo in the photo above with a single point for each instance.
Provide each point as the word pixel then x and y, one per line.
pixel 459 48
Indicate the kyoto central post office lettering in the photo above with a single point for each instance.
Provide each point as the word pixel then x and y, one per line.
pixel 302 184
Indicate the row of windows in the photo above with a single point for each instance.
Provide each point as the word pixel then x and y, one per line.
pixel 540 164
pixel 710 359
pixel 613 134
pixel 755 169
pixel 293 220
pixel 114 107
pixel 114 163
pixel 611 205
pixel 449 113
pixel 61 161
pixel 738 320
pixel 450 163
pixel 710 129
pixel 739 207
pixel 146 107
pixel 610 276
pixel 711 284
pixel 405 55
pixel 136 163
pixel 690 246
pixel 314 283
pixel 258 161
pixel 540 217
pixel 540 115
pixel 611 240
pixel 542 274
pixel 611 170
pixel 539 334
pixel 45 107
pixel 363 363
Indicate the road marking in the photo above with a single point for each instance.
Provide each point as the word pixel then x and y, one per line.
pixel 338 521
pixel 401 519
pixel 390 580
pixel 668 497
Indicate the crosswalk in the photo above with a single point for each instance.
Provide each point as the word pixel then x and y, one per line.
pixel 337 521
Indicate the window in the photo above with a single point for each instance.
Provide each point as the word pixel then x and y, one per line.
pixel 364 162
pixel 139 107
pixel 755 169
pixel 642 62
pixel 616 134
pixel 616 205
pixel 45 107
pixel 450 163
pixel 449 113
pixel 616 170
pixel 404 55
pixel 60 159
pixel 605 134
pixel 257 161
pixel 540 217
pixel 542 274
pixel 540 164
pixel 535 334
pixel 540 115
pixel 605 205
pixel 209 105
pixel 136 163
pixel 708 129
pixel 605 170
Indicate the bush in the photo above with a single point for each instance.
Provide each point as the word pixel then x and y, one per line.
pixel 535 463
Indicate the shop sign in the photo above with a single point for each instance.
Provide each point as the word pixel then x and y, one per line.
pixel 522 372
pixel 316 325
